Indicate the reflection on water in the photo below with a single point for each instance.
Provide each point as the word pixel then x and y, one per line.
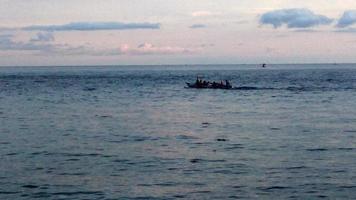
pixel 108 133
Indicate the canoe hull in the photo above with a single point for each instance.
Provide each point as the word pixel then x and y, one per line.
pixel 190 85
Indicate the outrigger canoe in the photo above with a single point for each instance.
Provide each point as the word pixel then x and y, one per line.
pixel 208 86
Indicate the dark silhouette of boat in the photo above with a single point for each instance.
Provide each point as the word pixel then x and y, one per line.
pixel 200 84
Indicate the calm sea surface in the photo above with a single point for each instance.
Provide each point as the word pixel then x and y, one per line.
pixel 135 132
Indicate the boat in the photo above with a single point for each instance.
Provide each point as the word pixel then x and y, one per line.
pixel 199 84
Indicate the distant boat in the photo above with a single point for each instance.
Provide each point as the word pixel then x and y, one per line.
pixel 264 65
pixel 199 84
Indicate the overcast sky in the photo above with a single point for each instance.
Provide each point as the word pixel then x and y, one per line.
pixel 92 32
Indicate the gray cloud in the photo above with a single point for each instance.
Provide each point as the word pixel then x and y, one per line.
pixel 92 26
pixel 346 30
pixel 241 22
pixel 207 45
pixel 307 31
pixel 6 36
pixel 7 43
pixel 149 49
pixel 43 37
pixel 347 19
pixel 294 18
pixel 194 26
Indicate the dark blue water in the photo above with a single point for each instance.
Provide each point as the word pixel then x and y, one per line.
pixel 135 132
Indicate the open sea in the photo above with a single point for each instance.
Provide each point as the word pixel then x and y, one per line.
pixel 136 132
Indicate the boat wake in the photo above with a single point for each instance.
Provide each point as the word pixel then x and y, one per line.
pixel 251 88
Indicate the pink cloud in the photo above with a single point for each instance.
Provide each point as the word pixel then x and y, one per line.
pixel 148 48
pixel 204 13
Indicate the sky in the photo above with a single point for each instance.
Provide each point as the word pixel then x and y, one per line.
pixel 150 32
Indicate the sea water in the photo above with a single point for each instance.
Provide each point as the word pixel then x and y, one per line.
pixel 136 132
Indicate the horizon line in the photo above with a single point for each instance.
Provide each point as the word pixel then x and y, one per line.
pixel 197 64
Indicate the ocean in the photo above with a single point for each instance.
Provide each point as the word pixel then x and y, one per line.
pixel 136 132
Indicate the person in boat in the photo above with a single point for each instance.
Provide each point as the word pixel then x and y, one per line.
pixel 227 84
pixel 213 85
pixel 197 82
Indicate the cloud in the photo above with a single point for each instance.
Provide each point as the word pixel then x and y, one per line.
pixel 147 48
pixel 241 22
pixel 6 36
pixel 294 18
pixel 195 26
pixel 40 45
pixel 7 43
pixel 346 30
pixel 124 49
pixel 347 19
pixel 68 50
pixel 307 31
pixel 204 13
pixel 92 26
pixel 43 37
pixel 207 45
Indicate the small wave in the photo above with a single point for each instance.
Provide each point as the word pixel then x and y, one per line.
pixel 221 139
pixel 296 88
pixel 30 186
pixel 238 186
pixel 12 154
pixel 104 116
pixel 179 196
pixel 144 185
pixel 347 186
pixel 339 171
pixel 166 184
pixel 223 171
pixel 40 195
pixel 73 159
pixel 350 131
pixel 79 193
pixel 274 188
pixel 234 146
pixel 296 167
pixel 4 142
pixel 291 88
pixel 186 137
pixel 196 160
pixel 200 192
pixel 73 174
pixel 317 149
pixel 250 88
pixel 89 89
pixel 345 149
pixel 144 198
pixel 121 160
pixel 267 88
pixel 8 192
